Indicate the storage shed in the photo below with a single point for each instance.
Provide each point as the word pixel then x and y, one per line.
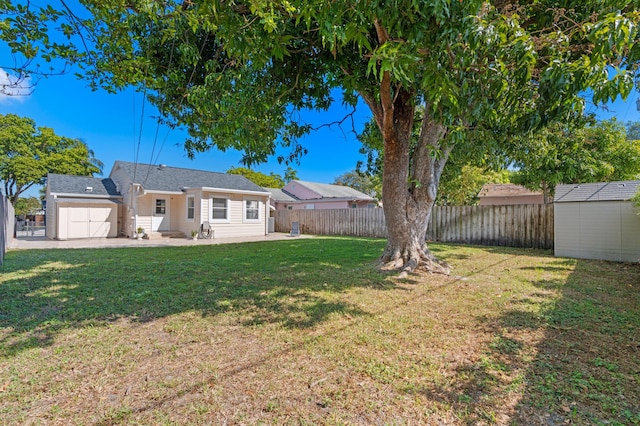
pixel 597 221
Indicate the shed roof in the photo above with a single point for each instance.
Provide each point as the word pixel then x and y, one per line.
pixel 175 179
pixel 326 190
pixel 601 191
pixel 81 185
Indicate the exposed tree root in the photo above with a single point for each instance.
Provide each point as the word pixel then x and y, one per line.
pixel 424 261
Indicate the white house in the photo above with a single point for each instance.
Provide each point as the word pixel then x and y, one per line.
pixel 156 198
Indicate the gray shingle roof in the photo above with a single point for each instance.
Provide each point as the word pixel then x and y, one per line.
pixel 65 184
pixel 602 191
pixel 280 196
pixel 165 178
pixel 335 191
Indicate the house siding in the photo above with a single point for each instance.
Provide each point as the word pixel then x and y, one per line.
pixel 51 225
pixel 236 227
pixel 127 224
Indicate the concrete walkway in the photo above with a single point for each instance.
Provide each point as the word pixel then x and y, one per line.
pixel 38 243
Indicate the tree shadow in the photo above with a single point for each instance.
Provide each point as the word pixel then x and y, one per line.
pixel 573 346
pixel 295 283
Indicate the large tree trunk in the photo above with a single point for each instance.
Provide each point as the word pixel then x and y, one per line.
pixel 410 180
pixel 409 188
pixel 410 177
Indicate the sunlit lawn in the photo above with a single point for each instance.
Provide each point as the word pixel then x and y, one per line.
pixel 306 331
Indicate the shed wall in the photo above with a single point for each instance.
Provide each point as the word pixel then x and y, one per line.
pixel 604 230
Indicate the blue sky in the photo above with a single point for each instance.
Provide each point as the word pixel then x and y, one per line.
pixel 110 125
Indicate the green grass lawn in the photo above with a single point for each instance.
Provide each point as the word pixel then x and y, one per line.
pixel 306 331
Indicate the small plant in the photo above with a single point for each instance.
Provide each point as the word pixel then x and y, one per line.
pixel 194 233
pixel 140 230
pixel 636 200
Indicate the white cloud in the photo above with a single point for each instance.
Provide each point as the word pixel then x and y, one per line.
pixel 13 88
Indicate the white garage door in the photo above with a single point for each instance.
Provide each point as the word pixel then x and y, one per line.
pixel 89 221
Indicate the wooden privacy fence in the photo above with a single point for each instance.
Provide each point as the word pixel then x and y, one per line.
pixel 529 226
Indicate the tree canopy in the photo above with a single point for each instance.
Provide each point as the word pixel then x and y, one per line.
pixel 272 180
pixel 237 74
pixel 573 153
pixel 370 185
pixel 28 153
pixel 26 206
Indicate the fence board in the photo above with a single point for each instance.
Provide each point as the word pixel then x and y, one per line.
pixel 529 226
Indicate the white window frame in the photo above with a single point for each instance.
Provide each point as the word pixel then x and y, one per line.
pixel 244 210
pixel 191 197
pixel 228 213
pixel 354 205
pixel 309 206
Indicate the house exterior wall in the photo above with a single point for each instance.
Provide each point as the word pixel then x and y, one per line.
pixel 235 226
pixel 300 191
pixel 500 201
pixel 604 230
pixel 51 225
pixel 127 224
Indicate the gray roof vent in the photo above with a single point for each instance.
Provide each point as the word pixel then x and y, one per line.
pixel 88 189
pixel 162 166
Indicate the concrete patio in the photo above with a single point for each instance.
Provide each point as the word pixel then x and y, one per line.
pixel 39 242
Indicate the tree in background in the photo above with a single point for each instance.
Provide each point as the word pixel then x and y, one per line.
pixel 238 74
pixel 360 182
pixel 633 130
pixel 290 174
pixel 575 153
pixel 27 206
pixel 463 188
pixel 28 153
pixel 272 180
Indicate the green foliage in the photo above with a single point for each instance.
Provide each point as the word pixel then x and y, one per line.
pixel 27 206
pixel 236 74
pixel 272 180
pixel 636 200
pixel 28 153
pixel 460 186
pixel 633 130
pixel 465 173
pixel 370 185
pixel 576 153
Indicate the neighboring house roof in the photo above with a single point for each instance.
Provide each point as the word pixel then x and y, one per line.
pixel 175 179
pixel 81 185
pixel 601 191
pixel 505 190
pixel 325 190
pixel 280 196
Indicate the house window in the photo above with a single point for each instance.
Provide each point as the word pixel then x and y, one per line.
pixel 191 208
pixel 219 209
pixel 161 206
pixel 354 205
pixel 309 206
pixel 289 207
pixel 251 210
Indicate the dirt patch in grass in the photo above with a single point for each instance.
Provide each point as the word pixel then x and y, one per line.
pixel 307 332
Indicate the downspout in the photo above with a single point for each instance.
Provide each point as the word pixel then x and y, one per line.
pixel 267 215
